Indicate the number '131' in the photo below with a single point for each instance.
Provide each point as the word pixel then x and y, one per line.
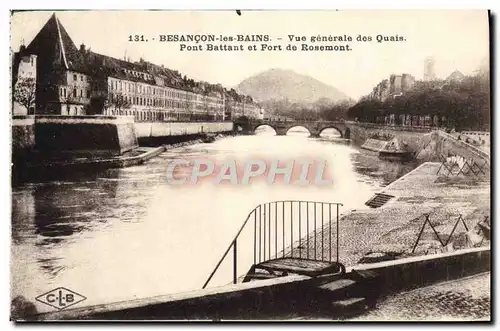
pixel 136 37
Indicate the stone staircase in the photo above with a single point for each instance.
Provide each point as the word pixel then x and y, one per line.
pixel 379 200
pixel 348 296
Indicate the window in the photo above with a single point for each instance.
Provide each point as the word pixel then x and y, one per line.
pixel 88 93
pixel 81 93
pixel 81 78
pixel 75 78
pixel 74 93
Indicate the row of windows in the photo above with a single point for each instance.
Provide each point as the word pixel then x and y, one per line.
pixel 72 110
pixel 74 93
pixel 138 74
pixel 149 102
pixel 167 116
pixel 159 102
pixel 121 86
pixel 23 73
pixel 75 78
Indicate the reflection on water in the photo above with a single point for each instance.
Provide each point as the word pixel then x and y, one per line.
pixel 374 170
pixel 127 233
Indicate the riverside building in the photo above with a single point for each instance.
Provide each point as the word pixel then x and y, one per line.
pixel 78 81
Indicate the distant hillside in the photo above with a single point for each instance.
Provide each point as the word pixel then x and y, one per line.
pixel 279 84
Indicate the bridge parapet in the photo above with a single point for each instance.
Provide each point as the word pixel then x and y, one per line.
pixel 459 147
pixel 393 127
pixel 281 127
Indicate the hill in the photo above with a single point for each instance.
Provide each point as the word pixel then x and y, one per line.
pixel 280 84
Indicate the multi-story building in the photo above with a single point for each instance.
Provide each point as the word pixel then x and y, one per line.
pixel 24 77
pixel 77 81
pixel 429 69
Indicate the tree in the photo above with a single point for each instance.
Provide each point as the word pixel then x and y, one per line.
pixel 463 105
pixel 24 93
pixel 334 112
pixel 188 105
pixel 119 102
pixel 98 105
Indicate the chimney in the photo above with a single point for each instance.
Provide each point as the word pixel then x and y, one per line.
pixel 82 48
pixel 22 49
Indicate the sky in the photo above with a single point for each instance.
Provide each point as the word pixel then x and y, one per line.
pixel 456 39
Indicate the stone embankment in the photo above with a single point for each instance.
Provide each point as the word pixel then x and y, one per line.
pixel 43 166
pixel 391 231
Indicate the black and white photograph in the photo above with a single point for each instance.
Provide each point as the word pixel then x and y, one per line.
pixel 250 165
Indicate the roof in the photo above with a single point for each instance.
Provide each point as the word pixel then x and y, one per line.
pixel 455 76
pixel 56 50
pixel 54 47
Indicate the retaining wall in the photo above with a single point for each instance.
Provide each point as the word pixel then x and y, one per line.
pixel 360 132
pixel 167 129
pixel 110 135
pixel 23 134
pixel 281 297
pixel 414 272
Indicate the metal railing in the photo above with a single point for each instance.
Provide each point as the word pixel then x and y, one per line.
pixel 279 225
pixel 445 243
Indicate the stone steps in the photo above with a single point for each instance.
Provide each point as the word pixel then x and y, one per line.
pixel 379 200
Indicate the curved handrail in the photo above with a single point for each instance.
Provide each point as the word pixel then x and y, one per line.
pixel 229 248
pixel 233 242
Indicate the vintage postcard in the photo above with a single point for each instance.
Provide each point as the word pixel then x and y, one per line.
pixel 250 165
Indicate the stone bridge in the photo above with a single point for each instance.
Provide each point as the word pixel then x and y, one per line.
pixel 446 144
pixel 315 128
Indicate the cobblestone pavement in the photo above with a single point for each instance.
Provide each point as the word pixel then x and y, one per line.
pixel 394 227
pixel 464 299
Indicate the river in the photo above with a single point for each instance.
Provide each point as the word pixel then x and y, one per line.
pixel 128 233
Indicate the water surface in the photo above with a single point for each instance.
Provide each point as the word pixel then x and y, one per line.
pixel 127 233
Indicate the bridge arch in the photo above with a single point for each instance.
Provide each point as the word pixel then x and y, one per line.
pixel 265 124
pixel 298 125
pixel 332 127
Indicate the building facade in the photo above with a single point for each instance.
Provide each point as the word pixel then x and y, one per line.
pixel 24 72
pixel 429 69
pixel 77 81
pixel 394 86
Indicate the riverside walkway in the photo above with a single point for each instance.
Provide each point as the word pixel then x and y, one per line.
pixel 390 229
pixel 393 228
